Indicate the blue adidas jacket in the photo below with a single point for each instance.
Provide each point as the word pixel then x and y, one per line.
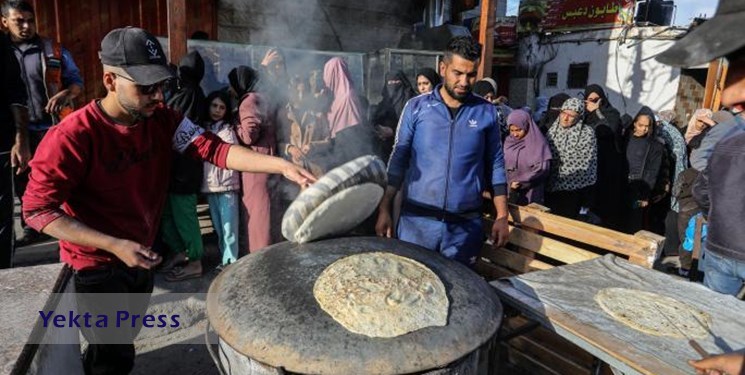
pixel 446 161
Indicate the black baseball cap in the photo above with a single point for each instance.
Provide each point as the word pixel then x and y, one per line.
pixel 138 53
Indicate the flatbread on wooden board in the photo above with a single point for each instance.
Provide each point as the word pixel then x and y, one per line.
pixel 653 314
pixel 382 295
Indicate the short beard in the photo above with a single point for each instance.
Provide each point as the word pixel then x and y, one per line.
pixel 135 113
pixel 451 92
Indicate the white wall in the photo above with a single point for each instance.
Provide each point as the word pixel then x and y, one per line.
pixel 626 70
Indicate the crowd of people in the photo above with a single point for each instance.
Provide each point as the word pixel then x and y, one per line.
pixel 449 140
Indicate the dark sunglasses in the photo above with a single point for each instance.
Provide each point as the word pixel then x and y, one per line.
pixel 146 89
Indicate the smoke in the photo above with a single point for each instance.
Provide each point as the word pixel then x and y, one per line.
pixel 324 25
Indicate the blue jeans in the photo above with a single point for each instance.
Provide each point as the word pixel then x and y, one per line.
pixel 224 213
pixel 723 275
pixel 460 241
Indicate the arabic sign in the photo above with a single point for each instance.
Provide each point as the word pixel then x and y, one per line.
pixel 505 31
pixel 555 15
pixel 582 14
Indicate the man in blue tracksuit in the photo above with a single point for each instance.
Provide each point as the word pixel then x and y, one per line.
pixel 447 148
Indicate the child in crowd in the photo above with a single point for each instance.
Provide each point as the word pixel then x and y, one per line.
pixel 222 186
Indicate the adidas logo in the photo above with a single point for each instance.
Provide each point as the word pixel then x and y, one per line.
pixel 473 123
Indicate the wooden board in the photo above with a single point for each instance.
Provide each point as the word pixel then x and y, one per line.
pixel 638 250
pixel 512 260
pixel 549 247
pixel 615 352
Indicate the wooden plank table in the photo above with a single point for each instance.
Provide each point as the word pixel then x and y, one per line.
pixel 590 328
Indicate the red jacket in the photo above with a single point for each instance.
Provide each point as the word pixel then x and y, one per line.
pixel 112 178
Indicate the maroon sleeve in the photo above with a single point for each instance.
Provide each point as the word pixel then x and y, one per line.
pixel 251 118
pixel 58 166
pixel 209 147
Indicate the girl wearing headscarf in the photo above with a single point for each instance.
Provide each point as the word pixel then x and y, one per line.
pixel 351 136
pixel 574 165
pixel 396 92
pixel 426 80
pixel 552 112
pixel 255 128
pixel 527 159
pixel 647 169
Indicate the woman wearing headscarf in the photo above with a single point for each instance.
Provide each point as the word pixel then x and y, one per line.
pixel 396 92
pixel 426 80
pixel 575 160
pixel 552 112
pixel 527 159
pixel 699 122
pixel 351 136
pixel 487 89
pixel 255 128
pixel 606 121
pixel 648 172
pixel 703 124
pixel 306 137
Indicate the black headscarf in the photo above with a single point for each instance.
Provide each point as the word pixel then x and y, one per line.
pixel 553 111
pixel 395 96
pixel 644 155
pixel 611 115
pixel 189 98
pixel 431 75
pixel 243 80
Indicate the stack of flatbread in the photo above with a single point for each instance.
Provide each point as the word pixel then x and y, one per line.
pixel 339 201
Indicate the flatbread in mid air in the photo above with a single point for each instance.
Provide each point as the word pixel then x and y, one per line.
pixel 340 213
pixel 382 295
pixel 653 314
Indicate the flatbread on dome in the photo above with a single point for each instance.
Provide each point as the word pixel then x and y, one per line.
pixel 364 169
pixel 340 213
pixel 382 295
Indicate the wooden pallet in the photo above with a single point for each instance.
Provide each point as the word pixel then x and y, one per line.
pixel 540 240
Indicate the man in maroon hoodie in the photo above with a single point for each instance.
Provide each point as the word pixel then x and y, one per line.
pixel 108 165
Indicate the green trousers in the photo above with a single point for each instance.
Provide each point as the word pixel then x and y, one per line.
pixel 179 227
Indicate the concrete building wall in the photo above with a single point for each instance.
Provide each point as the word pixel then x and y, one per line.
pixel 332 25
pixel 624 66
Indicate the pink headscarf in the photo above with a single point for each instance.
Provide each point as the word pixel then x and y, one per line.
pixel 692 131
pixel 345 109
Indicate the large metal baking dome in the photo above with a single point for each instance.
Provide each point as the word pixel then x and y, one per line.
pixel 263 307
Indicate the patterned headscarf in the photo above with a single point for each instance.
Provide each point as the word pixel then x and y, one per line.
pixel 574 104
pixel 574 151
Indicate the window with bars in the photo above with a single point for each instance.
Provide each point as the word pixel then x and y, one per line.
pixel 552 79
pixel 578 75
